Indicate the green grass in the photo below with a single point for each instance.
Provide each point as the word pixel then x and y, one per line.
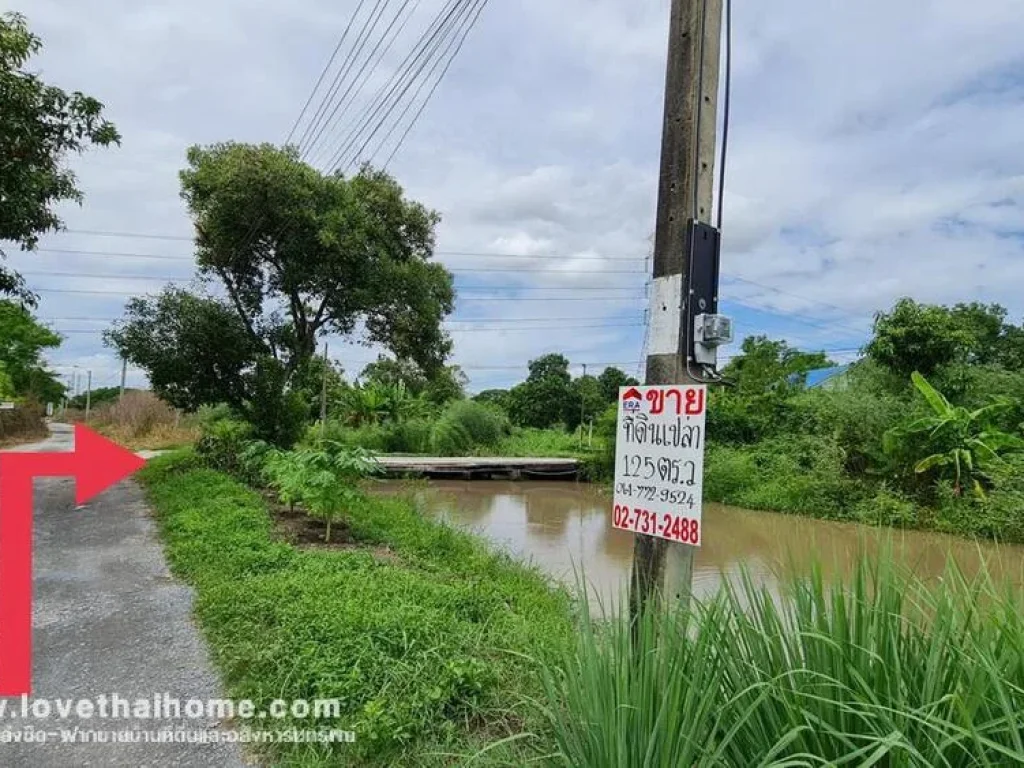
pixel 426 644
pixel 539 442
pixel 881 670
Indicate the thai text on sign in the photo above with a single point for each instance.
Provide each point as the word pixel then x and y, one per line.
pixel 659 461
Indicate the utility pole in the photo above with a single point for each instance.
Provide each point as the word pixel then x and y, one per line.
pixel 323 396
pixel 124 373
pixel 88 396
pixel 685 192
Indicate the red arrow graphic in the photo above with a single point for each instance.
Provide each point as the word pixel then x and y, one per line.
pixel 96 464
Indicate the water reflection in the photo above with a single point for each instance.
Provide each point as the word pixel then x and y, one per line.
pixel 561 526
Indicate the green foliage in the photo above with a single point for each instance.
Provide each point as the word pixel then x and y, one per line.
pixel 586 401
pixel 766 364
pixel 22 343
pixel 41 126
pixel 543 399
pixel 194 349
pixel 337 254
pixel 378 403
pixel 919 337
pixel 794 473
pixel 222 441
pixel 429 649
pixel 324 477
pixel 99 396
pixel 466 426
pixel 278 413
pixel 496 397
pixel 447 383
pixel 611 379
pixel 956 442
pixel 878 668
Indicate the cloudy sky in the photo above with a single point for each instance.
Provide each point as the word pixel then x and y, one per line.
pixel 875 151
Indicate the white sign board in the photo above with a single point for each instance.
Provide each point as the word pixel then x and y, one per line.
pixel 6 406
pixel 659 461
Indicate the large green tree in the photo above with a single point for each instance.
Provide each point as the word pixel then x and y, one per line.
pixel 195 349
pixel 611 379
pixel 765 363
pixel 542 400
pixel 22 343
pixel 302 254
pixel 40 125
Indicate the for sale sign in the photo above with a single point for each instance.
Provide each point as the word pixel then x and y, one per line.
pixel 659 461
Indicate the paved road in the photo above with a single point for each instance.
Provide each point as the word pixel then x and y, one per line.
pixel 109 619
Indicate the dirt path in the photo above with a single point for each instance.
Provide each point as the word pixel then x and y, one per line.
pixel 108 619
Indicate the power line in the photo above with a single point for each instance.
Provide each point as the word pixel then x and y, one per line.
pixel 513 328
pixel 357 85
pixel 451 34
pixel 188 257
pixel 430 95
pixel 319 124
pixel 323 73
pixel 441 25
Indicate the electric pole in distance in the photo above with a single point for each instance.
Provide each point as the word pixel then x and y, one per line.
pixel 685 192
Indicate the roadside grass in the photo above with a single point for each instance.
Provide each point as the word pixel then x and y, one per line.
pixel 429 652
pixel 879 669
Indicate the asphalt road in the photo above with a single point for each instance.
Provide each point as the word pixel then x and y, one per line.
pixel 108 619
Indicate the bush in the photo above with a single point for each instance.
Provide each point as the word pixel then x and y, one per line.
pixel 25 421
pixel 465 425
pixel 797 473
pixel 222 443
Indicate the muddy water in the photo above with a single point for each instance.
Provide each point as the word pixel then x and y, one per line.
pixel 565 526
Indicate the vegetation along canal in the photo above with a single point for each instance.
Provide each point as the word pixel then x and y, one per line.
pixel 559 526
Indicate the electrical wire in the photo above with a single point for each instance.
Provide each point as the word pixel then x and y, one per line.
pixel 386 96
pixel 726 99
pixel 475 254
pixel 368 29
pixel 323 74
pixel 362 77
pixel 430 95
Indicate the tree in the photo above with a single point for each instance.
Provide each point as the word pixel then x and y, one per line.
pixel 586 401
pixel 41 125
pixel 194 349
pixel 611 379
pixel 301 254
pixel 542 399
pixel 918 337
pixel 496 397
pixel 22 342
pixel 765 364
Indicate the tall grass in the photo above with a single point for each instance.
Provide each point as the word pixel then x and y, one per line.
pixel 878 670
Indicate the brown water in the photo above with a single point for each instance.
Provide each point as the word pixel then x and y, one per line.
pixel 562 526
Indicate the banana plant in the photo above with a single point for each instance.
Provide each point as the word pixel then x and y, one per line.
pixel 959 440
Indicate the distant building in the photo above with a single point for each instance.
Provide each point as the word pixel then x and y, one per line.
pixel 833 378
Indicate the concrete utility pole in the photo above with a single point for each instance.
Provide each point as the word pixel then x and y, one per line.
pixel 582 410
pixel 124 373
pixel 685 191
pixel 88 395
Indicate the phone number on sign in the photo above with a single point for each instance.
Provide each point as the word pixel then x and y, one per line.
pixel 665 525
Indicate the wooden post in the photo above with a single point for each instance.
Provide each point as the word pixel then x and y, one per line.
pixel 685 191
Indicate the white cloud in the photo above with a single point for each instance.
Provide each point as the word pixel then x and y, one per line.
pixel 869 159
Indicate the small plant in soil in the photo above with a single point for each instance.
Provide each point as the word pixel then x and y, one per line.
pixel 324 478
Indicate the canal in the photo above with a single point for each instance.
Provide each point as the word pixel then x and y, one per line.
pixel 565 527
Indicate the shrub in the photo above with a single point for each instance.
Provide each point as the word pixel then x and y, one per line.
pixel 222 442
pixel 465 425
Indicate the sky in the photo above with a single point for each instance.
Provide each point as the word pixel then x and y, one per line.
pixel 875 152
